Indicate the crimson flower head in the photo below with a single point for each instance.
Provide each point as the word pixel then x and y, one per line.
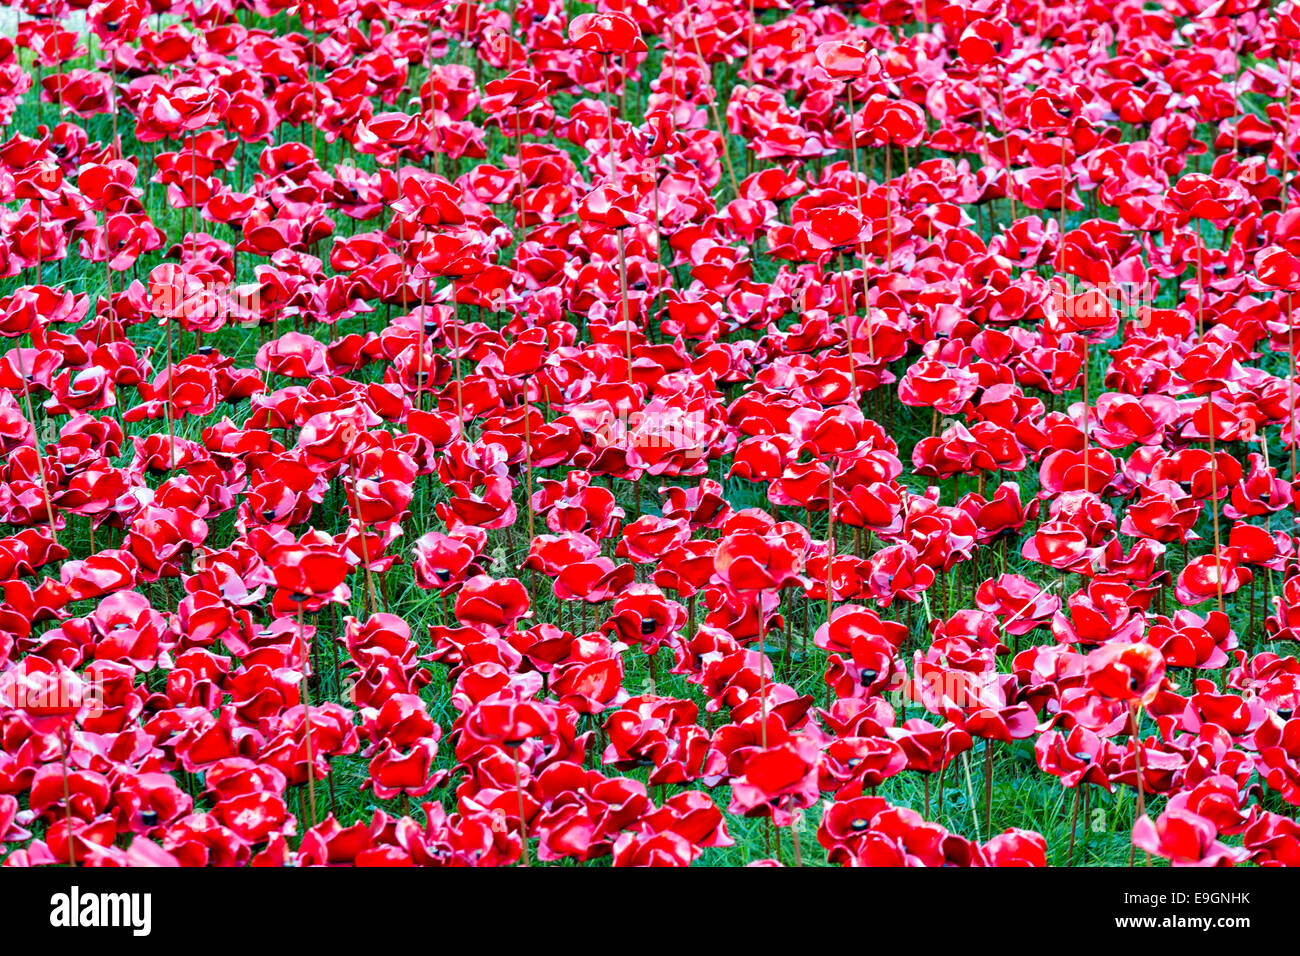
pixel 606 33
pixel 845 61
pixel 1278 268
pixel 1200 196
pixel 496 603
pixel 45 695
pixel 749 561
pixel 309 572
pixel 610 207
pixel 899 122
pixel 985 40
pixel 1128 672
pixel 1017 847
pixel 508 722
pixel 1209 575
pixel 520 89
pixel 659 135
pixel 1051 112
pixel 778 781
pixel 182 109
pixel 835 227
pixel 1185 839
pixel 117 19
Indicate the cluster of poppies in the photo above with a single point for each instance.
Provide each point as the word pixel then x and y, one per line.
pixel 649 431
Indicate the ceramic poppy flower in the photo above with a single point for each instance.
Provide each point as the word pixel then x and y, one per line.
pixel 496 603
pixel 310 572
pixel 46 696
pixel 606 33
pixel 843 60
pixel 1126 672
pixel 748 561
pixel 510 722
pixel 1210 575
pixel 778 781
pixel 1185 839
